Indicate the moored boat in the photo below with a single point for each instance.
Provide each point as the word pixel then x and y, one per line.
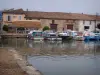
pixel 65 35
pixel 79 36
pixel 36 35
pixel 90 36
pixel 51 36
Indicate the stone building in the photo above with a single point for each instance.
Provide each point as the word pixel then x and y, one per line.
pixel 57 21
pixel 60 21
pixel 15 19
pixel 12 15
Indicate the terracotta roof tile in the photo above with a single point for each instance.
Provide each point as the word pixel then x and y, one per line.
pixel 53 15
pixel 12 11
pixel 59 15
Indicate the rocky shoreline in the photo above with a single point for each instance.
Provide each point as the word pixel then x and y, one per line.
pixel 14 61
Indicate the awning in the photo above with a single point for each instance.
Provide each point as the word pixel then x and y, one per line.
pixel 27 24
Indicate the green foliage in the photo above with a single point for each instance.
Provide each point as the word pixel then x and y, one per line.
pixel 5 27
pixel 46 28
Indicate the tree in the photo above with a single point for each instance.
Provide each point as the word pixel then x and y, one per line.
pixel 5 27
pixel 46 28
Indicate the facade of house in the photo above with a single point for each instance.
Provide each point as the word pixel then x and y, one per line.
pixel 15 19
pixel 13 15
pixel 56 21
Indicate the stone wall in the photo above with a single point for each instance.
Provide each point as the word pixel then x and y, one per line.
pixel 60 24
pixel 47 22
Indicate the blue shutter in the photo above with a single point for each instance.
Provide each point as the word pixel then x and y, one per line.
pixel 0 15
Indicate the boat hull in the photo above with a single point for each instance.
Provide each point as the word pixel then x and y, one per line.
pixel 79 38
pixel 91 38
pixel 53 39
pixel 66 37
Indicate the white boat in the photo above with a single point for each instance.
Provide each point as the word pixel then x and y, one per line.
pixel 52 36
pixel 78 36
pixel 65 35
pixel 73 33
pixel 36 35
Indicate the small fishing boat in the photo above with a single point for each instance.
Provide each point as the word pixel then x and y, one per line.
pixel 36 35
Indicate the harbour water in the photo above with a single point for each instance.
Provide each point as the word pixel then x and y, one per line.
pixel 59 58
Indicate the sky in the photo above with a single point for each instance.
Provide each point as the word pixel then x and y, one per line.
pixel 73 6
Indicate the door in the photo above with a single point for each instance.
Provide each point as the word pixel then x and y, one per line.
pixel 53 27
pixel 70 27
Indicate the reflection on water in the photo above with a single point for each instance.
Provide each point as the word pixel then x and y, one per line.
pixel 52 47
pixel 59 58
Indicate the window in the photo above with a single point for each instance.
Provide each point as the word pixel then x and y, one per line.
pixel 70 27
pixel 19 17
pixel 53 21
pixel 83 22
pixel 86 27
pixel 8 18
pixel 53 27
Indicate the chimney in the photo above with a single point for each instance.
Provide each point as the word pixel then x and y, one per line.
pixel 26 13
